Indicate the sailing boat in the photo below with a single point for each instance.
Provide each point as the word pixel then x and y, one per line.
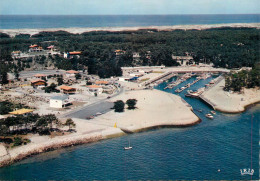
pixel 128 147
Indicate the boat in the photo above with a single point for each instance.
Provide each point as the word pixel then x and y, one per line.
pixel 128 147
pixel 213 112
pixel 209 116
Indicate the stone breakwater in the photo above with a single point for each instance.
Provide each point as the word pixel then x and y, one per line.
pixel 10 158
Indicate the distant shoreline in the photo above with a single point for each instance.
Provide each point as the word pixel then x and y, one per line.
pixel 79 30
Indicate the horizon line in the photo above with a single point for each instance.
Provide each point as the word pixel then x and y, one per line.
pixel 121 14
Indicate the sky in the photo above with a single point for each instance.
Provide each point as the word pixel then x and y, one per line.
pixel 127 7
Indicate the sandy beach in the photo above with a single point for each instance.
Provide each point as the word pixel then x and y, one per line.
pixel 154 109
pixel 13 32
pixel 231 102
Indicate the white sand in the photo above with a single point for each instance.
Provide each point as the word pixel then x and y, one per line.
pixel 13 32
pixel 154 108
pixel 231 102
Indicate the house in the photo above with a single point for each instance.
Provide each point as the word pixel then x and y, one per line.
pixel 183 60
pixel 119 52
pixel 74 54
pixel 16 54
pixel 58 101
pixel 51 48
pixel 22 112
pixel 68 90
pixel 95 89
pixel 39 82
pixel 71 74
pixel 101 82
pixel 40 76
pixel 35 48
pixel 136 56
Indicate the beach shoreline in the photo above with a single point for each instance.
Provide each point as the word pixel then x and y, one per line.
pixel 79 30
pixel 100 128
pixel 226 102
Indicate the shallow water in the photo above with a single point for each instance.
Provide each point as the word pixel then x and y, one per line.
pixel 197 152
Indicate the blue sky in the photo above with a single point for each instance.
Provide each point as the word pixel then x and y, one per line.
pixel 128 7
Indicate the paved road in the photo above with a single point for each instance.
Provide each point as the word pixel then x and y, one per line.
pixel 26 74
pixel 101 106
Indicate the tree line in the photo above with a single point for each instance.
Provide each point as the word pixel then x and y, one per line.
pixel 224 47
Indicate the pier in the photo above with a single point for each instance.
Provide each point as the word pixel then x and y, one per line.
pixel 217 80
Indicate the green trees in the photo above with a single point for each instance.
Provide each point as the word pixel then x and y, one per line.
pixel 51 88
pixel 119 106
pixel 22 124
pixel 131 103
pixel 70 123
pixel 60 80
pixel 248 79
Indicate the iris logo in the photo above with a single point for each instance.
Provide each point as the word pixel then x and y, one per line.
pixel 247 171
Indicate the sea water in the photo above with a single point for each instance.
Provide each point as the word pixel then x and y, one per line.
pixel 214 149
pixel 90 21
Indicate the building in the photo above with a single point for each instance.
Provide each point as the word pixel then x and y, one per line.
pixel 51 48
pixel 75 54
pixel 183 60
pixel 101 82
pixel 39 82
pixel 22 112
pixel 119 52
pixel 58 101
pixel 68 90
pixel 71 74
pixel 95 89
pixel 40 76
pixel 136 56
pixel 35 48
pixel 16 54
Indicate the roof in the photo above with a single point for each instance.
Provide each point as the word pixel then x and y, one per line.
pixel 64 87
pixel 94 86
pixel 62 98
pixel 118 50
pixel 33 46
pixel 39 75
pixel 72 72
pixel 101 82
pixel 39 80
pixel 52 46
pixel 75 53
pixel 16 52
pixel 21 111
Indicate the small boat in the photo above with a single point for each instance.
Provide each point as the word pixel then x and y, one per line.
pixel 209 116
pixel 128 147
pixel 213 112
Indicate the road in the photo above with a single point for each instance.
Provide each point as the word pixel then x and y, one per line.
pixel 101 106
pixel 27 74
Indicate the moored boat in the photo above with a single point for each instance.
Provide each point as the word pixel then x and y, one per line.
pixel 209 116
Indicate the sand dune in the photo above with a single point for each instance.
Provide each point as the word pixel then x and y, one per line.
pixel 13 32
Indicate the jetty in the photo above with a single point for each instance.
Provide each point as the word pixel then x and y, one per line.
pixel 204 99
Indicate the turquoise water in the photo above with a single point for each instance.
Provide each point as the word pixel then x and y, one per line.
pixel 196 152
pixel 68 21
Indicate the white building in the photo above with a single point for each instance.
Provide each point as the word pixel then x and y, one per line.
pixel 95 89
pixel 58 101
